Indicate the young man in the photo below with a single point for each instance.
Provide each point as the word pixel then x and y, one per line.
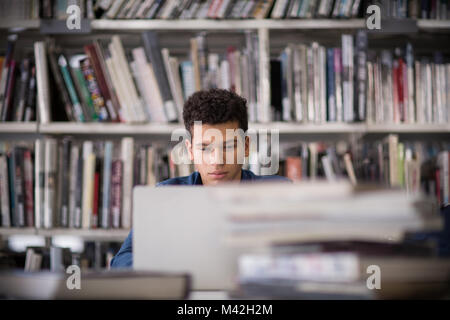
pixel 212 119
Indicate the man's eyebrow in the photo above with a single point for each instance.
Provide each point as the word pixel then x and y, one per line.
pixel 203 144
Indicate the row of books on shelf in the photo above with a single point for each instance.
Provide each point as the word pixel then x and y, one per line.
pixel 57 259
pixel 413 166
pixel 17 86
pixel 79 184
pixel 309 83
pixel 223 9
pixel 88 184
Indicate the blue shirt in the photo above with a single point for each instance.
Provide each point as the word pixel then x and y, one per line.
pixel 124 258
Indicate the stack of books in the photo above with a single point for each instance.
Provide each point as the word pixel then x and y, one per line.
pixel 296 245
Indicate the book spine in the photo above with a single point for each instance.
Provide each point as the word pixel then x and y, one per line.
pixel 116 192
pixel 28 179
pixel 78 111
pixel 39 152
pixel 106 189
pixel 82 88
pixel 331 85
pixel 127 146
pixel 74 169
pixel 95 55
pixel 42 79
pixel 347 84
pixel 361 75
pixel 79 191
pixel 50 182
pixel 338 83
pixel 5 70
pixel 60 84
pixel 4 192
pixel 22 91
pixel 88 182
pixel 30 106
pixel 65 183
pixel 96 196
pixel 12 193
pixel 151 46
pixel 7 109
pixel 19 197
pixel 94 90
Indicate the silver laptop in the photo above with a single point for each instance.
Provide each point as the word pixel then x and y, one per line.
pixel 182 229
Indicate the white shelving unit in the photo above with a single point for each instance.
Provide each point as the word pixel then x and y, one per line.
pixel 153 129
pixel 86 234
pixel 18 127
pixel 206 24
pixel 72 128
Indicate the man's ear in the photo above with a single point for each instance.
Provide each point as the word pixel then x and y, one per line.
pixel 247 146
pixel 189 149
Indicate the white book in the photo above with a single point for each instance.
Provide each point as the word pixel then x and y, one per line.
pixel 118 55
pixel 328 169
pixel 224 75
pixel 148 86
pixel 323 84
pixel 114 9
pixel 349 169
pixel 88 184
pixel 74 156
pixel 127 149
pixel 429 94
pixel 299 115
pixel 347 85
pixel 237 73
pixel 42 79
pixel 121 96
pixel 263 107
pixel 316 81
pixel 144 7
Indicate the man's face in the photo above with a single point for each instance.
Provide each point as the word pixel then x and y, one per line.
pixel 218 151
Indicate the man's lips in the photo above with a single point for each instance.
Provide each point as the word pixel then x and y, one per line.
pixel 218 174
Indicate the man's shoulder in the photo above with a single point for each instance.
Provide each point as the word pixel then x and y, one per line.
pixel 185 180
pixel 249 175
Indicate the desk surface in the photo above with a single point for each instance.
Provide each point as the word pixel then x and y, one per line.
pixel 208 295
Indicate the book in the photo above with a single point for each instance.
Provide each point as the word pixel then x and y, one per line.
pixel 119 284
pixel 49 190
pixel 127 154
pixel 151 46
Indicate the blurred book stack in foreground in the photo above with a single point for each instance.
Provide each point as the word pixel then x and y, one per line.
pixel 333 241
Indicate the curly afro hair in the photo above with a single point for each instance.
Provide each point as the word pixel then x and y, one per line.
pixel 215 106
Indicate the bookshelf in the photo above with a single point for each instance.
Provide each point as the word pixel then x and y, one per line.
pixel 149 129
pixel 85 234
pixel 18 127
pixel 152 130
pixel 209 24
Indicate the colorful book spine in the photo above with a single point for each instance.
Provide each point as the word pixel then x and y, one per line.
pixel 28 180
pixel 92 85
pixel 78 111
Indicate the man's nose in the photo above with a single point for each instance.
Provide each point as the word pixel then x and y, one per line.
pixel 217 156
